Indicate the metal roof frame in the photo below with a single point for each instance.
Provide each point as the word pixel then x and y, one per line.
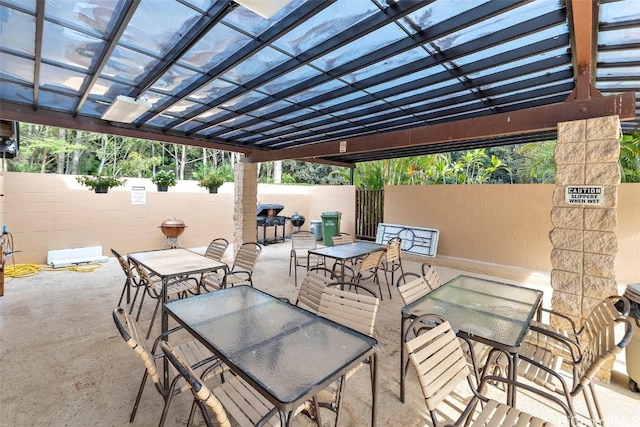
pixel 383 78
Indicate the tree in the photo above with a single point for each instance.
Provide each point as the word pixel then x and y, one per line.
pixel 630 157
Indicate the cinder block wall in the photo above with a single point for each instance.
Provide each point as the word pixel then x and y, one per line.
pixel 46 211
pixel 498 225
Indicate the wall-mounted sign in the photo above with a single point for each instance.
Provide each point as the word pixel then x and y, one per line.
pixel 343 146
pixel 584 195
pixel 138 196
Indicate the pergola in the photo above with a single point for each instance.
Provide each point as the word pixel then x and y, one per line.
pixel 335 81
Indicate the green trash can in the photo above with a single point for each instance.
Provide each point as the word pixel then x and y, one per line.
pixel 330 226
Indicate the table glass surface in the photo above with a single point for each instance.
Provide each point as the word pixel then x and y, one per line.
pixel 174 262
pixel 286 351
pixel 348 250
pixel 494 311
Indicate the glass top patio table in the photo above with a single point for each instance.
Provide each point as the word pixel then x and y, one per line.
pixel 346 252
pixel 286 353
pixel 497 314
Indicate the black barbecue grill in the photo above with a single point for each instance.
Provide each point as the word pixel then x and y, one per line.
pixel 267 216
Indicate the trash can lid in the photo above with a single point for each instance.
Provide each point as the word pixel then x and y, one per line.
pixel 633 292
pixel 331 213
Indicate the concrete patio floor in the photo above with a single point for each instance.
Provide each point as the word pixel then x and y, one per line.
pixel 63 363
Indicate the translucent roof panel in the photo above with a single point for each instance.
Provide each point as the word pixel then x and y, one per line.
pixel 316 71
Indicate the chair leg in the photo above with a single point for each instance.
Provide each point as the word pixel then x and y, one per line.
pixel 124 289
pixel 153 318
pixel 290 259
pixel 135 298
pixel 144 294
pixel 138 397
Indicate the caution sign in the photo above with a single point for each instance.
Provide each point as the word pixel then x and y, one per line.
pixel 138 196
pixel 584 195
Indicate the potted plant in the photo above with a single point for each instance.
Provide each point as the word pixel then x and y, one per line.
pixel 211 180
pixel 164 179
pixel 100 183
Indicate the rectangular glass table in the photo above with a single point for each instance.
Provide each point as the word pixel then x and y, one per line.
pixel 343 253
pixel 494 313
pixel 286 353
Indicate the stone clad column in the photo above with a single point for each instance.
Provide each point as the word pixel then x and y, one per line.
pixel 245 202
pixel 583 236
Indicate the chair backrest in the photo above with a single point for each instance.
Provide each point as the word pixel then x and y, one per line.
pixel 606 339
pixel 200 391
pixel 303 240
pixel 126 267
pixel 393 250
pixel 342 238
pixel 431 276
pixel 372 260
pixel 246 257
pixel 437 356
pixel 216 249
pixel 351 305
pixel 129 331
pixel 144 275
pixel 413 290
pixel 312 287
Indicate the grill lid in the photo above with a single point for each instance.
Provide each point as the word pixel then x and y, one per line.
pixel 268 209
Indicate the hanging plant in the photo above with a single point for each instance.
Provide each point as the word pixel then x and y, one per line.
pixel 101 183
pixel 164 179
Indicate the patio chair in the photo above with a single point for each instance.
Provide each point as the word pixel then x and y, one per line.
pixel 246 406
pixel 604 334
pixel 441 366
pixel 356 307
pixel 414 289
pixel 342 238
pixel 299 256
pixel 392 262
pixel 216 249
pixel 241 271
pixel 194 354
pixel 431 276
pixel 180 287
pixel 312 286
pixel 131 281
pixel 366 269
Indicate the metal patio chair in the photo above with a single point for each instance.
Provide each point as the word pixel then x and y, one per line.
pixel 194 354
pixel 604 334
pixel 356 307
pixel 246 406
pixel 131 281
pixel 241 271
pixel 312 287
pixel 392 260
pixel 441 366
pixel 301 243
pixel 342 238
pixel 366 269
pixel 179 287
pixel 217 248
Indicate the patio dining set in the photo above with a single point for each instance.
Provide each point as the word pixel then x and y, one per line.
pixel 259 359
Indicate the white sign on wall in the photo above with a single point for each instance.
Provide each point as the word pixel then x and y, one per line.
pixel 584 195
pixel 138 196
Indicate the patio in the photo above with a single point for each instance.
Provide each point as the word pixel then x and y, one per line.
pixel 64 364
